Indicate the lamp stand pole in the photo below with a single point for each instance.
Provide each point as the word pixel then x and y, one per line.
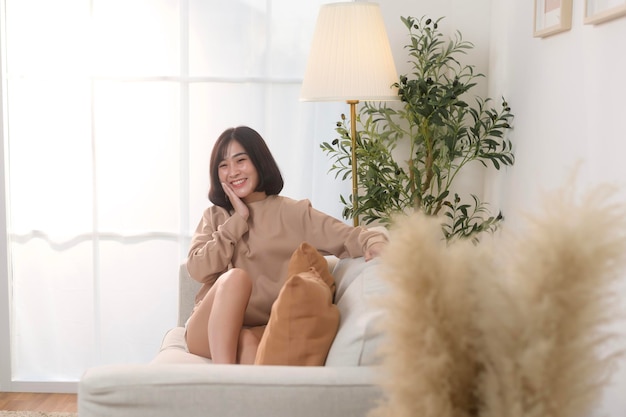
pixel 355 182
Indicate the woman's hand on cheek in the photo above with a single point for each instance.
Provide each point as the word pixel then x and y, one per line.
pixel 238 205
pixel 375 250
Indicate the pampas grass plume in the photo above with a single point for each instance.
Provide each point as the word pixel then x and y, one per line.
pixel 546 359
pixel 428 361
pixel 515 326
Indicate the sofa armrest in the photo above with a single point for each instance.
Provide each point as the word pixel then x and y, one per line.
pixel 226 390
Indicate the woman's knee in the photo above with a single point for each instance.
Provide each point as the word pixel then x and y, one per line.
pixel 236 279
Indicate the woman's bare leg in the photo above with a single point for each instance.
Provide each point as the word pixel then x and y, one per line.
pixel 249 339
pixel 226 319
pixel 214 327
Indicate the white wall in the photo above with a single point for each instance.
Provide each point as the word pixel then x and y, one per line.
pixel 568 97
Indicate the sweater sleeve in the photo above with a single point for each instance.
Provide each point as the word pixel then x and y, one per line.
pixel 213 243
pixel 331 236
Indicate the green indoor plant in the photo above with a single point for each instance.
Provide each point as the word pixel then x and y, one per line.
pixel 443 130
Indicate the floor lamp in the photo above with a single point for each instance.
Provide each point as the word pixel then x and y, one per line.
pixel 350 60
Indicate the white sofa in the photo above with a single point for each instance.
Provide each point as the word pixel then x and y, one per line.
pixel 177 383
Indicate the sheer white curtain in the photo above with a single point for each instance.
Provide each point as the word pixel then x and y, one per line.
pixel 111 108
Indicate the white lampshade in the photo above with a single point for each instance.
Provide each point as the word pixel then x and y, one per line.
pixel 350 56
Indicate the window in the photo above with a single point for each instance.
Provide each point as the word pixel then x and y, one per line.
pixel 110 110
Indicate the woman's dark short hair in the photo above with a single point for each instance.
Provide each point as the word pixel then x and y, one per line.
pixel 270 179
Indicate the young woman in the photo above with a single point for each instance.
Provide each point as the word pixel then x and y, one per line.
pixel 242 246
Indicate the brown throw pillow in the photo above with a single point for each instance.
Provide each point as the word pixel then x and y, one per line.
pixel 303 323
pixel 305 257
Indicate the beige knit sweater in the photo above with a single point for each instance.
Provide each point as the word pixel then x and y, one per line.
pixel 264 244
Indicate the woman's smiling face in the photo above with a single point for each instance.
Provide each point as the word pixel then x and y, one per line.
pixel 238 172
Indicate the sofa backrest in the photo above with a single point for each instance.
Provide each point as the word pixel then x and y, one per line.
pixel 187 290
pixel 359 337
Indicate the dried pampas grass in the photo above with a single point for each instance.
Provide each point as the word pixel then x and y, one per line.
pixel 513 327
pixel 429 360
pixel 558 276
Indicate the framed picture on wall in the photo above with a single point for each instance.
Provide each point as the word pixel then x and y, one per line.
pixel 552 16
pixel 598 11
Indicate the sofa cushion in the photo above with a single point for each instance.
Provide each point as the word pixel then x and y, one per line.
pixel 359 336
pixel 174 350
pixel 305 257
pixel 303 323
